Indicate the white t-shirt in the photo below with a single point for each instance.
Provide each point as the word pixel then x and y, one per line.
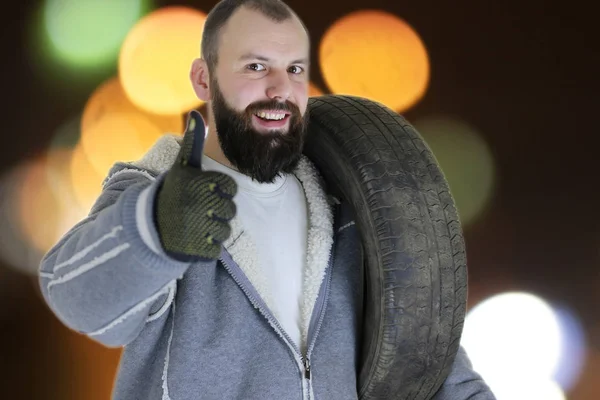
pixel 275 215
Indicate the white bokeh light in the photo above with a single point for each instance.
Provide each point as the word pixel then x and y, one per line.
pixel 513 336
pixel 574 345
pixel 526 389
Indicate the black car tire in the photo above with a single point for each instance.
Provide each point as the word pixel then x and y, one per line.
pixel 415 261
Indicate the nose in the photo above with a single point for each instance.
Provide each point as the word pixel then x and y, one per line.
pixel 279 86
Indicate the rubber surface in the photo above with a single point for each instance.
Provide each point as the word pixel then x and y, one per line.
pixel 415 262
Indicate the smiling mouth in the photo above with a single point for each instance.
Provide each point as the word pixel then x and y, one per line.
pixel 272 115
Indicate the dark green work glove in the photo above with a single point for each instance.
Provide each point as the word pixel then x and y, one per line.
pixel 194 207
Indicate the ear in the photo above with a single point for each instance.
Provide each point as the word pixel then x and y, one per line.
pixel 200 79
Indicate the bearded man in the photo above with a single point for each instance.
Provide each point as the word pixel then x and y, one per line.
pixel 218 261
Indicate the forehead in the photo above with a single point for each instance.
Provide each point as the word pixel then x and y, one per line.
pixel 249 31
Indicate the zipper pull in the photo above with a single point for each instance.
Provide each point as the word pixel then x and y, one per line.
pixel 306 363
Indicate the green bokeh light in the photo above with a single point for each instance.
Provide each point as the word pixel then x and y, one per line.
pixel 466 161
pixel 89 32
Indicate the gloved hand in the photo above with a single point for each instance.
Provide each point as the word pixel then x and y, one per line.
pixel 194 207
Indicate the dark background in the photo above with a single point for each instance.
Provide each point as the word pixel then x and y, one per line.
pixel 525 73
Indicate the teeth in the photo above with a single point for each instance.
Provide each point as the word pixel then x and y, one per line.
pixel 272 116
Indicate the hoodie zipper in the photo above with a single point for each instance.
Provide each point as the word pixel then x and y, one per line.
pixel 319 311
pixel 302 360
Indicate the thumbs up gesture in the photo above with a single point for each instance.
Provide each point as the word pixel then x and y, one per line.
pixel 194 207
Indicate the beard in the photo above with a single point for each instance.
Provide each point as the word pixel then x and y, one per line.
pixel 263 156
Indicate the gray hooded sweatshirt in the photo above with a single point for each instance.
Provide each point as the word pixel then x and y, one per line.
pixel 205 330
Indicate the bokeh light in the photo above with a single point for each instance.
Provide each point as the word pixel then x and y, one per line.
pixel 156 58
pixel 91 365
pixel 15 249
pixel 524 388
pixel 574 346
pixel 110 98
pixel 39 209
pixel 466 160
pixel 85 180
pixel 377 55
pixel 513 339
pixel 118 137
pixel 89 32
pixel 113 129
pixel 46 208
pixel 58 178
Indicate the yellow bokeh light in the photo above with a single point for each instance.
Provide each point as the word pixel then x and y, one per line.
pixel 156 57
pixel 85 180
pixel 376 55
pixel 113 129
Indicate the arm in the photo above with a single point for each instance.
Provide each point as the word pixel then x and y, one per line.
pixel 464 383
pixel 107 273
pixel 118 269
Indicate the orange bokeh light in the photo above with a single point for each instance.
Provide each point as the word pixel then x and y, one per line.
pixel 110 98
pixel 85 180
pixel 113 129
pixel 46 208
pixel 118 137
pixel 314 90
pixel 38 207
pixel 93 367
pixel 156 57
pixel 377 55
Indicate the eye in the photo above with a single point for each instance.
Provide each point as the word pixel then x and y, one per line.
pixel 294 69
pixel 256 67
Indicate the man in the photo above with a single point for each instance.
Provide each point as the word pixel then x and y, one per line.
pixel 223 268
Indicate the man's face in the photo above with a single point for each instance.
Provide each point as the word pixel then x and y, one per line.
pixel 259 93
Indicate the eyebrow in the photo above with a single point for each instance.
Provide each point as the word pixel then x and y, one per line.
pixel 254 56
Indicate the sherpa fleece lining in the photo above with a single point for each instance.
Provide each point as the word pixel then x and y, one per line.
pixel 240 245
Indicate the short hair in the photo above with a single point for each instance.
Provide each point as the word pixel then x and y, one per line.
pixel 276 10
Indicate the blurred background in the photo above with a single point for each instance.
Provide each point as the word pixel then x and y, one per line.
pixel 503 92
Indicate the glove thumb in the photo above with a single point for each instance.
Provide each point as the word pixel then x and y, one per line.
pixel 192 146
